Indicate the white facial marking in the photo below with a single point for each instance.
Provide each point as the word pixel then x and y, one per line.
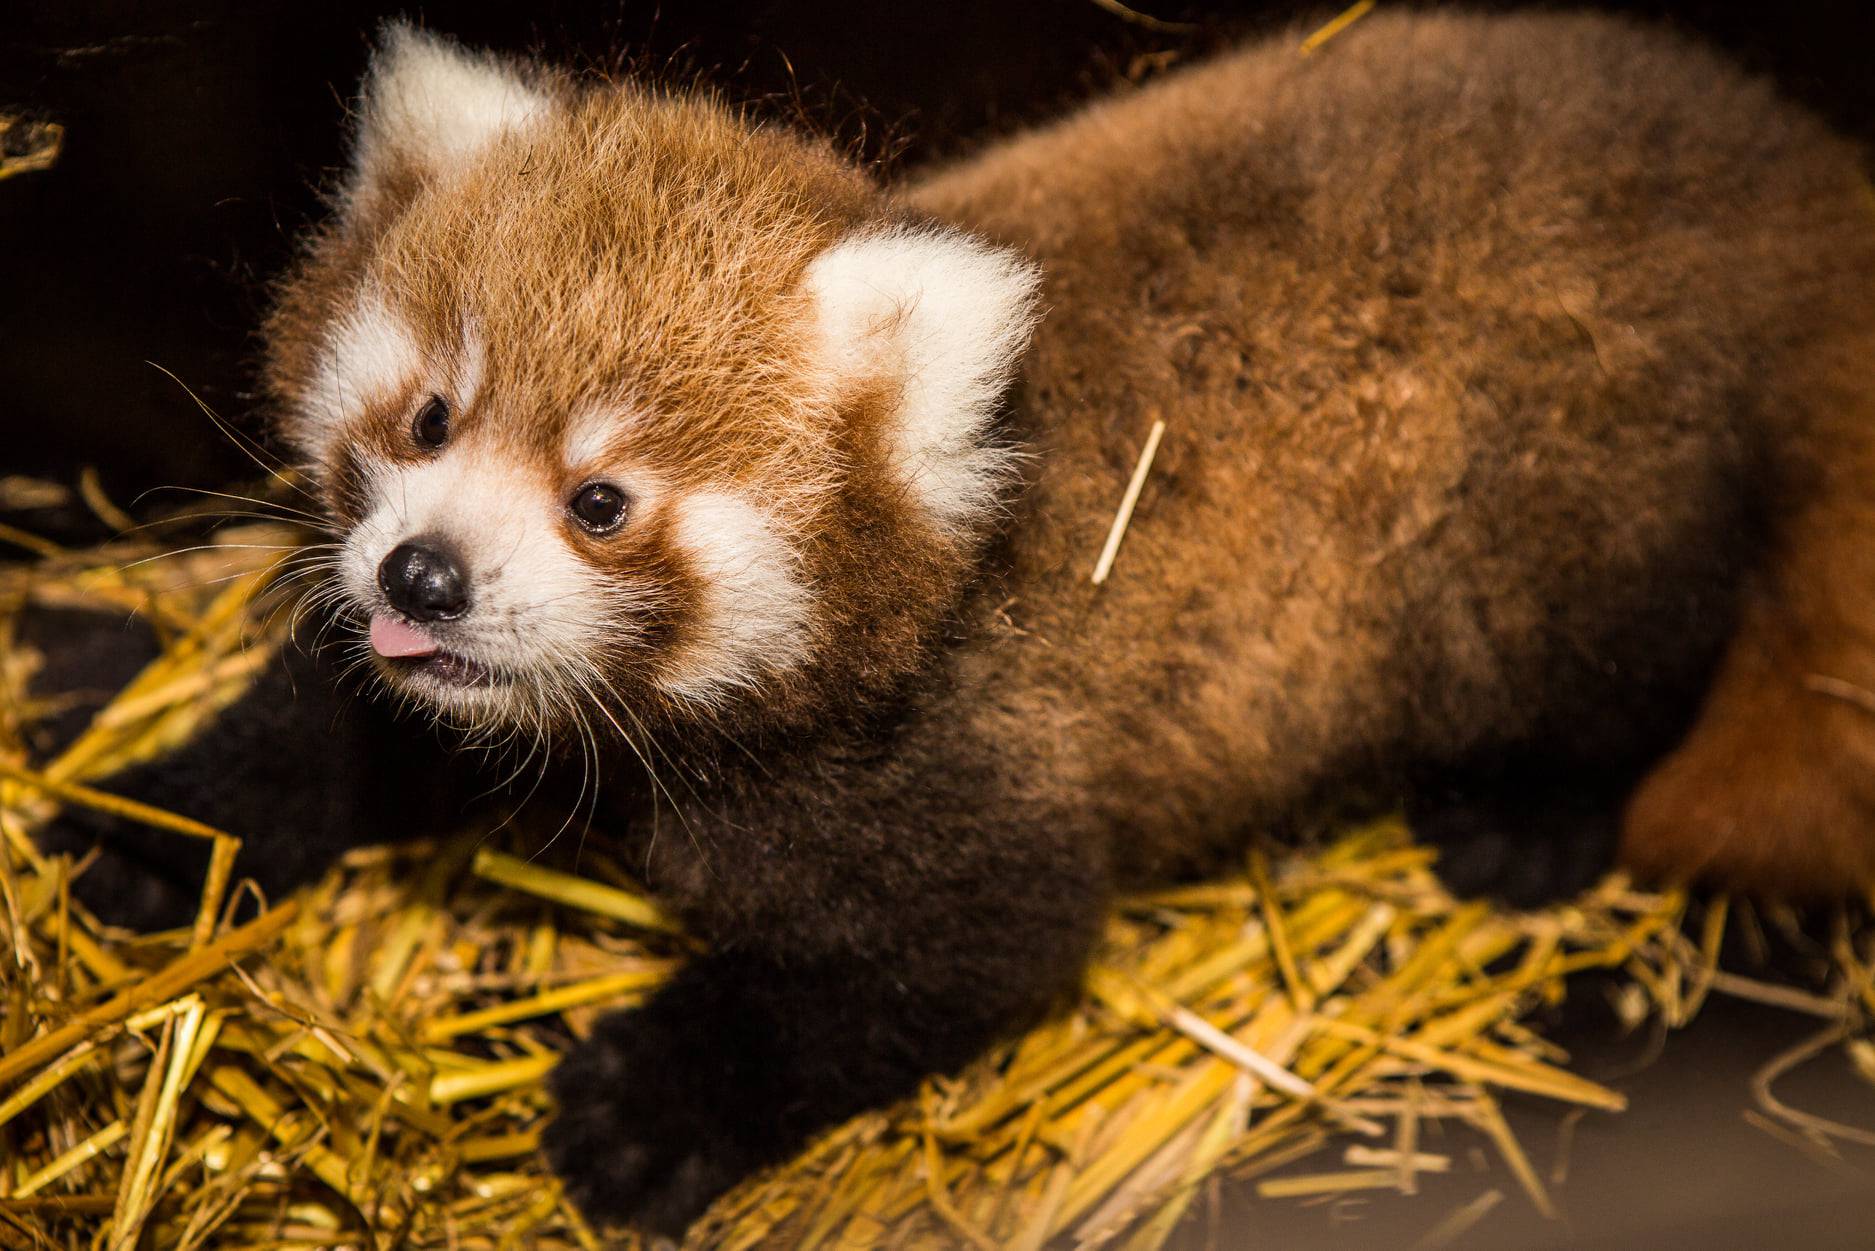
pixel 438 104
pixel 369 353
pixel 590 434
pixel 948 317
pixel 755 607
pixel 465 376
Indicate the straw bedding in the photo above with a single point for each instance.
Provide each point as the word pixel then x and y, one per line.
pixel 362 1065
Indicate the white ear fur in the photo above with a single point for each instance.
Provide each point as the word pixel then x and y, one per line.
pixel 431 105
pixel 947 316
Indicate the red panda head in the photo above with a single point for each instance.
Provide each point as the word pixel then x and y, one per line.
pixel 623 402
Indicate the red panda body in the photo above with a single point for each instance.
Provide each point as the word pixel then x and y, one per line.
pixel 1490 426
pixel 1509 370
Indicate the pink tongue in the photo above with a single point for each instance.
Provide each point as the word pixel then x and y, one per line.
pixel 392 636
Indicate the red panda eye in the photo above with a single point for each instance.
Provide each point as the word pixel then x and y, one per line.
pixel 598 506
pixel 431 427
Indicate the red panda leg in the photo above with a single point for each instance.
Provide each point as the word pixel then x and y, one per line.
pixel 1774 788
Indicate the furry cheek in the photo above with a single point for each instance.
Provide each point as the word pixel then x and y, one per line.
pixel 752 618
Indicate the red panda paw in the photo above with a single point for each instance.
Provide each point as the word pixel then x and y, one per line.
pixel 1771 810
pixel 1525 851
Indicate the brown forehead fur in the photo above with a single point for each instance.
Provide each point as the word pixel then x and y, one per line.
pixel 642 253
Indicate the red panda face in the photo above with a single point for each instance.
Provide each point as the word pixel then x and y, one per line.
pixel 510 558
pixel 627 408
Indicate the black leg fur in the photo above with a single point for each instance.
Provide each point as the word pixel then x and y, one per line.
pixel 858 946
pixel 301 768
pixel 1524 836
pixel 86 658
pixel 737 1063
pixel 732 1067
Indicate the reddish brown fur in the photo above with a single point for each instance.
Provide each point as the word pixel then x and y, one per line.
pixel 1417 255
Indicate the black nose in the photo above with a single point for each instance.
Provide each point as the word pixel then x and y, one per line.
pixel 423 581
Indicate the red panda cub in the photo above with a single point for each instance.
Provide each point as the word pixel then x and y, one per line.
pixel 1512 378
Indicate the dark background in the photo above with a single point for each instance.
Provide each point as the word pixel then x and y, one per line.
pixel 198 136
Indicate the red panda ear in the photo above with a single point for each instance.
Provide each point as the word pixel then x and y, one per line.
pixel 431 105
pixel 943 319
